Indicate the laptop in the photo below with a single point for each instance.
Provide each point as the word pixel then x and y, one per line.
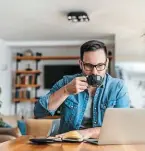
pixel 122 126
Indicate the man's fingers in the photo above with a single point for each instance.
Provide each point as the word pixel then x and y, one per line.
pixel 83 78
pixel 83 83
pixel 83 87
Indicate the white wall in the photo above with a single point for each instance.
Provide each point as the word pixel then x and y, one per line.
pixel 130 56
pixel 129 48
pixel 134 77
pixel 5 78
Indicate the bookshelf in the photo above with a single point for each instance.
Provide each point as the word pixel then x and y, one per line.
pixel 26 85
pixel 27 79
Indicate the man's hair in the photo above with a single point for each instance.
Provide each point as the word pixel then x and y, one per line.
pixel 92 45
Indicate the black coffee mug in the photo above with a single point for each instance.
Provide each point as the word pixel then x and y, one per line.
pixel 94 80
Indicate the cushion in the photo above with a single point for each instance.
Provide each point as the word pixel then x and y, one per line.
pixel 10 120
pixel 10 131
pixel 4 138
pixel 22 126
pixel 38 127
pixel 4 124
pixel 8 126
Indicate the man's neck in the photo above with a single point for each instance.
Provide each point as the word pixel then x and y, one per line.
pixel 92 90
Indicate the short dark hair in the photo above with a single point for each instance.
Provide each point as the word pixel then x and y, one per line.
pixel 92 45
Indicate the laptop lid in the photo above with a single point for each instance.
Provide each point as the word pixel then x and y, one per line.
pixel 123 126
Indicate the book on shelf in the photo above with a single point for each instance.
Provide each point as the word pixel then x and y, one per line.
pixel 24 93
pixel 26 79
pixel 17 93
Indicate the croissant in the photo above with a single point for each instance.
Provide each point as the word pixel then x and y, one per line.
pixel 72 135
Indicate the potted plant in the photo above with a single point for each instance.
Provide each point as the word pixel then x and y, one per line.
pixel 1 121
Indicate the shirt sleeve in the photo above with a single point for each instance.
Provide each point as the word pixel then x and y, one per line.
pixel 41 106
pixel 122 98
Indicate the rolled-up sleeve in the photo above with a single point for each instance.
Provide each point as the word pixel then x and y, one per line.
pixel 41 106
pixel 122 99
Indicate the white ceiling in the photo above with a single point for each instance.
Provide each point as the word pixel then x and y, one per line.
pixel 44 20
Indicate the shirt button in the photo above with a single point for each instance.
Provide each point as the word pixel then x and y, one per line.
pixel 94 122
pixel 95 108
pixel 71 106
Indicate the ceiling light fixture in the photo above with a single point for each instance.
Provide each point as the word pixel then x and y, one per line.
pixel 78 17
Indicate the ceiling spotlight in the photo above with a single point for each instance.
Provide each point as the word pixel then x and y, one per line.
pixel 69 17
pixel 78 17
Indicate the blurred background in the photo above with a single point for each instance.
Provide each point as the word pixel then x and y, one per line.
pixel 44 29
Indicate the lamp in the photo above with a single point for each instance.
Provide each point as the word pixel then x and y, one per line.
pixel 78 17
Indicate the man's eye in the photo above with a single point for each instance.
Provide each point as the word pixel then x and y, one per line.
pixel 89 66
pixel 99 65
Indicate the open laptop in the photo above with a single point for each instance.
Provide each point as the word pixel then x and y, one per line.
pixel 122 126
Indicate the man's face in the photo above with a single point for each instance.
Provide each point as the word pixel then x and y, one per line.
pixel 94 62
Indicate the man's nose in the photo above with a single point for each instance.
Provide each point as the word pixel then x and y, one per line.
pixel 94 71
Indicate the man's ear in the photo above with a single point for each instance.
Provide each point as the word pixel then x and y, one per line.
pixel 107 63
pixel 80 63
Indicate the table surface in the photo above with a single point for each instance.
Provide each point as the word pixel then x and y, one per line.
pixel 23 144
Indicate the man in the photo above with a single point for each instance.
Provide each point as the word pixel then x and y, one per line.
pixel 82 105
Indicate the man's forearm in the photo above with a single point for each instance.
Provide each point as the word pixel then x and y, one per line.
pixel 91 132
pixel 95 132
pixel 57 98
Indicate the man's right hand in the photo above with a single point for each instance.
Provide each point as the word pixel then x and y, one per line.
pixel 77 85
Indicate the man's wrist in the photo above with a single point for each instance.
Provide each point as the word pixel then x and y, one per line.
pixel 66 91
pixel 96 132
pixel 91 132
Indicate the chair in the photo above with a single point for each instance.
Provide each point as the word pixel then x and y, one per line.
pixel 42 127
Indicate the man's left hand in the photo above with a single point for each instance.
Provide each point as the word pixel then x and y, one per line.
pixel 90 132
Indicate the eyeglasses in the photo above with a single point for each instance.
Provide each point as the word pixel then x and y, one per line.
pixel 90 67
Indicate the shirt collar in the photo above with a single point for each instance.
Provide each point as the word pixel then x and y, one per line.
pixel 103 83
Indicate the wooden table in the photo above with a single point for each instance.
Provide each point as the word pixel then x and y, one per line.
pixel 22 144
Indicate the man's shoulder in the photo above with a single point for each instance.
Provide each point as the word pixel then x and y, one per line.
pixel 114 81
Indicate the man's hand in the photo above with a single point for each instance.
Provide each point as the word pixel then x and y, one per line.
pixel 90 133
pixel 77 85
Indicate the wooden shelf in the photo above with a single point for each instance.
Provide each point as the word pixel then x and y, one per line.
pixel 52 117
pixel 50 57
pixel 27 85
pixel 24 99
pixel 47 57
pixel 27 72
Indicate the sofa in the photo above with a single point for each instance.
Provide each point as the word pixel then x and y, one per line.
pixel 33 127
